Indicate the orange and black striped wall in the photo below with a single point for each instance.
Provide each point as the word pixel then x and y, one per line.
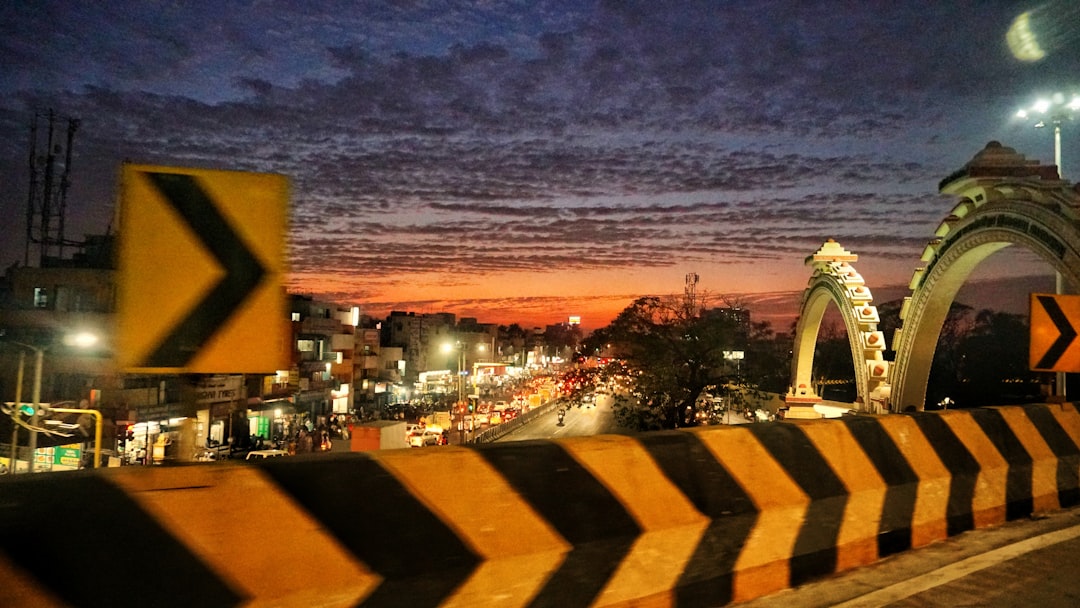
pixel 702 517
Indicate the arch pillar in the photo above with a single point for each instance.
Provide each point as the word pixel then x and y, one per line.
pixel 1004 200
pixel 836 280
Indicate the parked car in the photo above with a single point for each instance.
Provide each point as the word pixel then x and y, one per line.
pixel 261 454
pixel 425 438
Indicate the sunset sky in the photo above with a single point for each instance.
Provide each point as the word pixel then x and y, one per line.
pixel 524 161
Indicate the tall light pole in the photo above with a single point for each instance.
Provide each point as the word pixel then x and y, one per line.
pixel 82 340
pixel 1054 110
pixel 461 347
pixel 447 348
pixel 15 415
pixel 39 358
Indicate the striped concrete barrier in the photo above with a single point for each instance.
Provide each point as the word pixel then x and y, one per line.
pixel 692 518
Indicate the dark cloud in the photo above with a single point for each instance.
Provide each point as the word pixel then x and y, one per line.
pixel 423 137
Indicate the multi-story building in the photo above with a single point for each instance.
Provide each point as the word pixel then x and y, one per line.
pixel 420 336
pixel 366 363
pixel 42 307
pixel 322 366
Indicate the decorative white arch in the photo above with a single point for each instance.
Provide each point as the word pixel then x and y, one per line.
pixel 1005 200
pixel 836 280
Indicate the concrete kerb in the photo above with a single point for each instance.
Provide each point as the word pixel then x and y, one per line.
pixel 707 516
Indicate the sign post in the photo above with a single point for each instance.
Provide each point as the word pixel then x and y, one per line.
pixel 200 271
pixel 1054 321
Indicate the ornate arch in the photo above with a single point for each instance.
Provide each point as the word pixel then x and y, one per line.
pixel 1005 200
pixel 836 280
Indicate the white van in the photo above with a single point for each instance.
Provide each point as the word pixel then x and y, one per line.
pixel 260 454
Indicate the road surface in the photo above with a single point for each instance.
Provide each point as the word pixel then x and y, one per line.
pixel 578 422
pixel 1030 562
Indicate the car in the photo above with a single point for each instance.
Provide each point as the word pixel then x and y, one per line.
pixel 263 454
pixel 425 437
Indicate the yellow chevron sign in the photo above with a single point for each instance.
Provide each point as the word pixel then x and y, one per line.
pixel 201 260
pixel 1054 322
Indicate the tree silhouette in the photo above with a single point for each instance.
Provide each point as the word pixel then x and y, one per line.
pixel 674 356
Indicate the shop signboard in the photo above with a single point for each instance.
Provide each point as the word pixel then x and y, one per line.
pixel 217 389
pixel 262 426
pixel 162 412
pixel 43 459
pixel 67 456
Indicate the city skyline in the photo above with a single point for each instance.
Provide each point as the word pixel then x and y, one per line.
pixel 529 161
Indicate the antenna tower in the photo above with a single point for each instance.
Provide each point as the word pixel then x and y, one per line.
pixel 690 294
pixel 46 204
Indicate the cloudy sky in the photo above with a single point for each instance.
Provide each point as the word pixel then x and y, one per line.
pixel 530 160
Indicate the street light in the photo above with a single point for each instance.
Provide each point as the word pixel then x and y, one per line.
pixel 447 348
pixel 39 358
pixel 82 340
pixel 460 347
pixel 1053 110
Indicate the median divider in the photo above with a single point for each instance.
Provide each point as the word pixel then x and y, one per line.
pixel 706 516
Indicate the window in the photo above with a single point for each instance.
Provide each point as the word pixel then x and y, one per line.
pixel 41 297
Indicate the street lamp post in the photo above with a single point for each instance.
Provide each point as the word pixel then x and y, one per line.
pixel 461 375
pixel 447 347
pixel 39 358
pixel 15 414
pixel 460 347
pixel 82 340
pixel 1054 110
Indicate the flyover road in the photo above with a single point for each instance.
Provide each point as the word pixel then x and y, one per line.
pixel 578 422
pixel 1030 562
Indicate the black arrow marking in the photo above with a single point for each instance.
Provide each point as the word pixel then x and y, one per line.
pixel 120 532
pixel 1068 333
pixel 416 553
pixel 243 272
pixel 580 508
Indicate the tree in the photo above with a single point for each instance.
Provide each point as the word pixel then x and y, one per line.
pixel 674 356
pixel 946 375
pixel 562 338
pixel 832 360
pixel 768 358
pixel 993 361
pixel 514 340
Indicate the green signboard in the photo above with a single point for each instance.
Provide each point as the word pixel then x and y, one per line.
pixel 67 456
pixel 262 427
